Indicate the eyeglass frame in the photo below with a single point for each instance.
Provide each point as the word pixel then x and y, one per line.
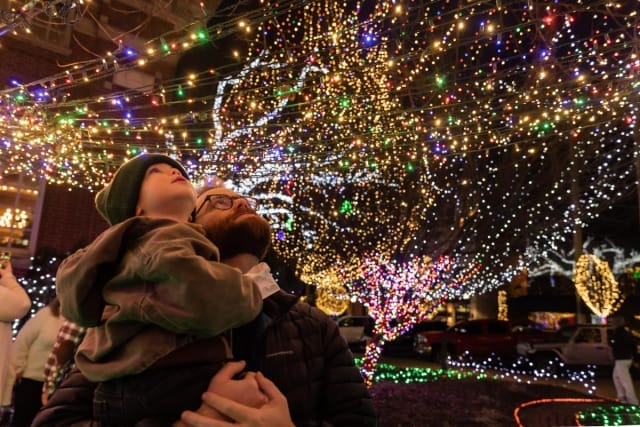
pixel 252 202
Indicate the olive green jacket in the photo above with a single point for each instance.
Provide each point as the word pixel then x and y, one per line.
pixel 146 287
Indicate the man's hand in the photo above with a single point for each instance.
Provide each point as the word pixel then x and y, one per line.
pixel 273 413
pixel 245 390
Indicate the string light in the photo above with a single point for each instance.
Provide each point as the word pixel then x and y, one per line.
pixel 399 295
pixel 612 415
pixel 553 259
pixel 426 129
pixel 39 282
pixel 516 412
pixel 492 368
pixel 17 218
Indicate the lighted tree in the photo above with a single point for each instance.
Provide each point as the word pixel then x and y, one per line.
pixel 399 295
pixel 423 129
pixel 379 127
pixel 595 275
pixel 314 144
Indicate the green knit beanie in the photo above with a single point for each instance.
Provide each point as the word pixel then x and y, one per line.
pixel 118 200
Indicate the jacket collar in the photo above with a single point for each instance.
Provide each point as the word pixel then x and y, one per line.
pixel 278 304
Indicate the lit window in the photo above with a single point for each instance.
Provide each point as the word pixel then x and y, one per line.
pixel 18 206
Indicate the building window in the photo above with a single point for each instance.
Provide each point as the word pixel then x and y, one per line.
pixel 20 205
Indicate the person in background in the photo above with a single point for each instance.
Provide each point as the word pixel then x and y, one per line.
pixel 624 348
pixel 14 304
pixel 61 359
pixel 33 344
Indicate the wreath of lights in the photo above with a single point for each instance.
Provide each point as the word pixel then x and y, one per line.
pixel 596 285
pixel 332 299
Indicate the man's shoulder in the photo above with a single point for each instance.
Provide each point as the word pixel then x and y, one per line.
pixel 303 310
pixel 295 316
pixel 290 305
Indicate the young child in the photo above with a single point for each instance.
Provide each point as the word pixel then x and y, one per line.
pixel 152 290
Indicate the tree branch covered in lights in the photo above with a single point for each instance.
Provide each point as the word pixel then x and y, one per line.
pixel 39 282
pixel 399 295
pixel 548 261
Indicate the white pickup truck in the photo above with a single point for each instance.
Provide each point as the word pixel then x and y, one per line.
pixel 573 345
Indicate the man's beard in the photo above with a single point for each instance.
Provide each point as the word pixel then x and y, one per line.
pixel 249 234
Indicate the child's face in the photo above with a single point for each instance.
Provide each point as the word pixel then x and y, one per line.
pixel 165 192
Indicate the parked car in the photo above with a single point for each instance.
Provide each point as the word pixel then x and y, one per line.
pixel 573 345
pixel 356 329
pixel 403 345
pixel 480 337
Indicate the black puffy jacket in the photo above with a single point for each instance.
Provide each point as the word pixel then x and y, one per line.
pixel 295 345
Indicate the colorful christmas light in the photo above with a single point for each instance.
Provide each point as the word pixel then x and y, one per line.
pixel 406 128
pixel 399 295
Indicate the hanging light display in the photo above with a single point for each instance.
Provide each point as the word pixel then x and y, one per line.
pixel 597 286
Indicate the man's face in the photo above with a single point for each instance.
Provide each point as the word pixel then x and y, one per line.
pixel 165 191
pixel 236 230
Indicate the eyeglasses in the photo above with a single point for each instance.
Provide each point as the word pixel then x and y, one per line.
pixel 223 203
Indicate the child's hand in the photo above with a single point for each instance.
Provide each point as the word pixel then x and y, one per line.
pixel 245 391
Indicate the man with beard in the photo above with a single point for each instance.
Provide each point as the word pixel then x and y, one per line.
pixel 295 346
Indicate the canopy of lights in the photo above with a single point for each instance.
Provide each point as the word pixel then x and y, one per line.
pixel 393 129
